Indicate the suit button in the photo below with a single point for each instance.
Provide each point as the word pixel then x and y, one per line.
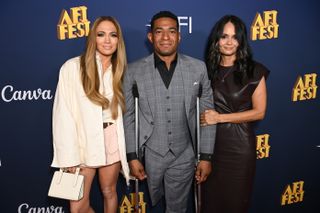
pixel 168 97
pixel 168 110
pixel 169 133
pixel 151 123
pixel 169 121
pixel 145 137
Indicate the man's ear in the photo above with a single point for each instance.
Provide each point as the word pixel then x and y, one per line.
pixel 150 37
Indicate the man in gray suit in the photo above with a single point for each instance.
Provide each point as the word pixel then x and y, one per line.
pixel 168 84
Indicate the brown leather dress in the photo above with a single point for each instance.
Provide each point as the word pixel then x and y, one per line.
pixel 229 187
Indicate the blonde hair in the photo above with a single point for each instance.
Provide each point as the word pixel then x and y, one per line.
pixel 89 70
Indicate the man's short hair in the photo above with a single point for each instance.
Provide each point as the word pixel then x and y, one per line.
pixel 164 14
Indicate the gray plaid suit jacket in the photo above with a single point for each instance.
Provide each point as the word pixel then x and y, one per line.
pixel 194 74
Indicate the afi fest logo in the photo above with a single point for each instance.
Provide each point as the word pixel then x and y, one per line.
pixel 266 26
pixel 184 21
pixel 293 193
pixel 263 147
pixel 305 88
pixel 128 206
pixel 75 25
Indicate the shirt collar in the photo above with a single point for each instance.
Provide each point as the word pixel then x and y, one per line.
pixel 158 60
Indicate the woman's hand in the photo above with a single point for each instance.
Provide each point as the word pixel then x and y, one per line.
pixel 209 117
pixel 70 169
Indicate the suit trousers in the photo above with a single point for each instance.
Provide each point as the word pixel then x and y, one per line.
pixel 170 176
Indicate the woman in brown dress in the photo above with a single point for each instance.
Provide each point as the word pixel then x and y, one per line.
pixel 240 97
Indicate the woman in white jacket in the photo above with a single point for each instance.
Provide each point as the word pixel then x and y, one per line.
pixel 87 114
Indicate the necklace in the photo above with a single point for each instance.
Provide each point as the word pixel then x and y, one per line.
pixel 224 72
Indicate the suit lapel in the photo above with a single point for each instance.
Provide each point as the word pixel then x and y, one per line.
pixel 187 81
pixel 149 82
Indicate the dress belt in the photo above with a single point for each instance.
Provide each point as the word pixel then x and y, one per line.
pixel 105 125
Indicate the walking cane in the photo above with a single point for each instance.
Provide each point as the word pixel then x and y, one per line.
pixel 197 187
pixel 136 109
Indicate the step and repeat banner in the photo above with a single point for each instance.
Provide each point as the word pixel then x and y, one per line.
pixel 37 37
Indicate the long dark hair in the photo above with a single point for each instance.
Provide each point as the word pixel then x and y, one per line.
pixel 244 62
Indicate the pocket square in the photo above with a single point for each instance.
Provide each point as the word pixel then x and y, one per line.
pixel 195 83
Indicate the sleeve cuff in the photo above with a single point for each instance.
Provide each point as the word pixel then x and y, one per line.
pixel 205 156
pixel 131 156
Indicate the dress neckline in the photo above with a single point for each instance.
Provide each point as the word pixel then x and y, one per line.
pixel 226 67
pixel 224 72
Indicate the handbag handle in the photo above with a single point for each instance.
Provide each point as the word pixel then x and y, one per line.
pixel 76 175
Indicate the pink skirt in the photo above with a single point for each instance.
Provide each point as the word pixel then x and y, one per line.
pixel 111 144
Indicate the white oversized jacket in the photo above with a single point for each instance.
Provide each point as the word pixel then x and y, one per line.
pixel 78 136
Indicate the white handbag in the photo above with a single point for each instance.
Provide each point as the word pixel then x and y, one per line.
pixel 66 185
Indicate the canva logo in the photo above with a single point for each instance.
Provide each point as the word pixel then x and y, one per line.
pixel 9 93
pixel 25 208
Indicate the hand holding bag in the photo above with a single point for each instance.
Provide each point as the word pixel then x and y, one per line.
pixel 66 185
